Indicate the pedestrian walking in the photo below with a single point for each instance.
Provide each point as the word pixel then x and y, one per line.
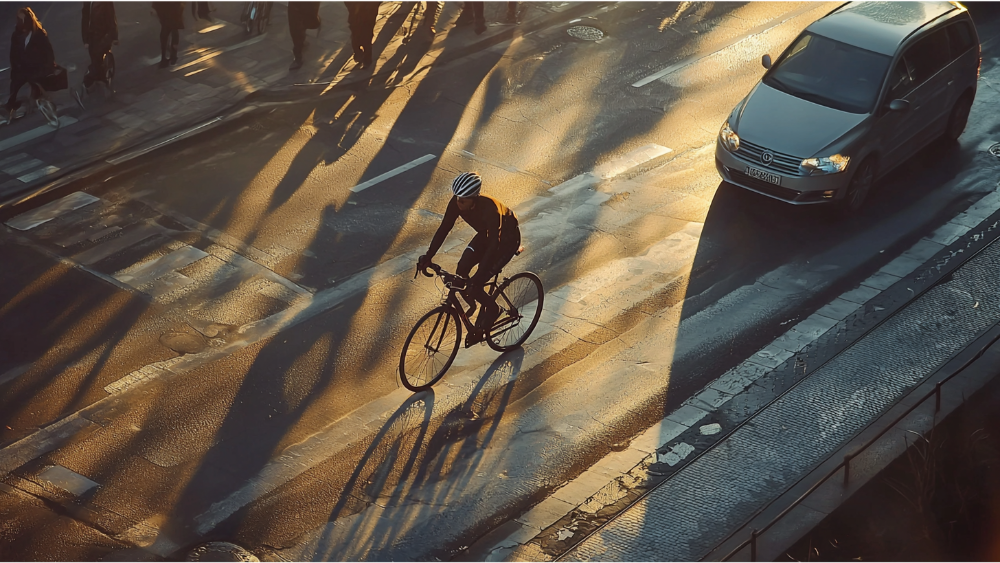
pixel 31 59
pixel 301 16
pixel 100 32
pixel 201 10
pixel 430 19
pixel 171 16
pixel 472 12
pixel 361 17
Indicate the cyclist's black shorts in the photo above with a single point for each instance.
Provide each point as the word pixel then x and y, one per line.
pixel 508 247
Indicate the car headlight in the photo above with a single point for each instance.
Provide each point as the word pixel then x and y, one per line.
pixel 826 164
pixel 729 138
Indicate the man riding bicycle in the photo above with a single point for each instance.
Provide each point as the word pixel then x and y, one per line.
pixel 496 242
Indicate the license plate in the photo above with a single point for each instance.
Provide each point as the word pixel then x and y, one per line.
pixel 763 175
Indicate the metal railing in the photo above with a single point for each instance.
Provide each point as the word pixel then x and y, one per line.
pixel 846 464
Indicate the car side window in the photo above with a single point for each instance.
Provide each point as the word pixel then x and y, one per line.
pixel 929 55
pixel 959 38
pixel 901 80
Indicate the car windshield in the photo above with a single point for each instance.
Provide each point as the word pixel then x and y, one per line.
pixel 830 73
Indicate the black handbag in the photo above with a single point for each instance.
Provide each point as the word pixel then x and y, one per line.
pixel 58 80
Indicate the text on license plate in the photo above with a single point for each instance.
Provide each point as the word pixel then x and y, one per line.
pixel 763 175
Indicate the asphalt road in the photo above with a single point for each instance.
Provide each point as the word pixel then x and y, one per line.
pixel 281 340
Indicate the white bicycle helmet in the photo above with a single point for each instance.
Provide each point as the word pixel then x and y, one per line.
pixel 467 184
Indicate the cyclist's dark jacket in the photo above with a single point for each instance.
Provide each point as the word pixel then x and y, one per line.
pixel 490 217
pixel 99 24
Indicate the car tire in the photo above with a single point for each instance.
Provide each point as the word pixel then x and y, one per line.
pixel 958 118
pixel 859 187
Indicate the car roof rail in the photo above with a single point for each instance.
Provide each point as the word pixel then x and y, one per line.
pixel 837 8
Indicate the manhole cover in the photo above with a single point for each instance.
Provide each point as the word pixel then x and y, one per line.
pixel 585 32
pixel 220 551
pixel 995 150
pixel 182 342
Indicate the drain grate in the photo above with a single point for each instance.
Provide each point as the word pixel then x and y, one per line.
pixel 995 150
pixel 585 32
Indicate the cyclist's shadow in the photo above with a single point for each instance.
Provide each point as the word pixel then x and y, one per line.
pixel 401 459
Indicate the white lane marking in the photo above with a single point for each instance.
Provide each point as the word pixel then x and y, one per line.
pixel 51 210
pixel 24 166
pixel 161 266
pixel 393 172
pixel 755 31
pixel 32 176
pixel 69 481
pixel 35 133
pixel 630 159
pixel 11 159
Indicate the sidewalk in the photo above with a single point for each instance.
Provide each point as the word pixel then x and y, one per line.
pixel 696 485
pixel 218 68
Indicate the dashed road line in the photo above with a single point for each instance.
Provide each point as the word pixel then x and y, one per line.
pixel 394 172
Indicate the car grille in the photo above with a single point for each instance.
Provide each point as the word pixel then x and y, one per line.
pixel 762 186
pixel 783 163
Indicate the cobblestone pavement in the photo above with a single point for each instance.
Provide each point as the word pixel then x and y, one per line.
pixel 729 481
pixel 219 66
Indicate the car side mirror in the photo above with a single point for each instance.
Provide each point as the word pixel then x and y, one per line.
pixel 766 61
pixel 899 105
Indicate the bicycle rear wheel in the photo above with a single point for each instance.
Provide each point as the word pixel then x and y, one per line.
pixel 430 348
pixel 520 299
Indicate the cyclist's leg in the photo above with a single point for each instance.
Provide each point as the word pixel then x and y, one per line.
pixel 508 247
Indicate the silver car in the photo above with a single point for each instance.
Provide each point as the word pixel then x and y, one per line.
pixel 857 93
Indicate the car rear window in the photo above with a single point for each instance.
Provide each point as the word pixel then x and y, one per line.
pixel 830 73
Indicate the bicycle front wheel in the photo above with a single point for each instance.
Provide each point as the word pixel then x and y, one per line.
pixel 520 300
pixel 430 348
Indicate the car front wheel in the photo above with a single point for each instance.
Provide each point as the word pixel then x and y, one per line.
pixel 857 190
pixel 959 118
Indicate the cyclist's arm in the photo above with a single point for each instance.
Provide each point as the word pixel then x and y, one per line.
pixel 447 223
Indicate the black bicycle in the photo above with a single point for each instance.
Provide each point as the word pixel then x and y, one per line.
pixel 433 343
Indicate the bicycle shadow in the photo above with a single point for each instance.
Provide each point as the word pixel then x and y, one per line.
pixel 403 470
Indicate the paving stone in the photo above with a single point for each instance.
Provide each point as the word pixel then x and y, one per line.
pixel 860 295
pixel 838 309
pixel 881 280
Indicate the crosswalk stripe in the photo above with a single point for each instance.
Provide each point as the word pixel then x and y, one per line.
pixel 49 211
pixel 35 133
pixel 113 246
pixel 31 177
pixel 24 166
pixel 161 266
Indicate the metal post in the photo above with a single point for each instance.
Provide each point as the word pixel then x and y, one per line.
pixel 847 468
pixel 753 544
pixel 937 397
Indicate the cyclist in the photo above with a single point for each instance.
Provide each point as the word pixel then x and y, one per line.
pixel 100 32
pixel 31 58
pixel 497 240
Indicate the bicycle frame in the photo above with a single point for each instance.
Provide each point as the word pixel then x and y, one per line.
pixel 491 287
